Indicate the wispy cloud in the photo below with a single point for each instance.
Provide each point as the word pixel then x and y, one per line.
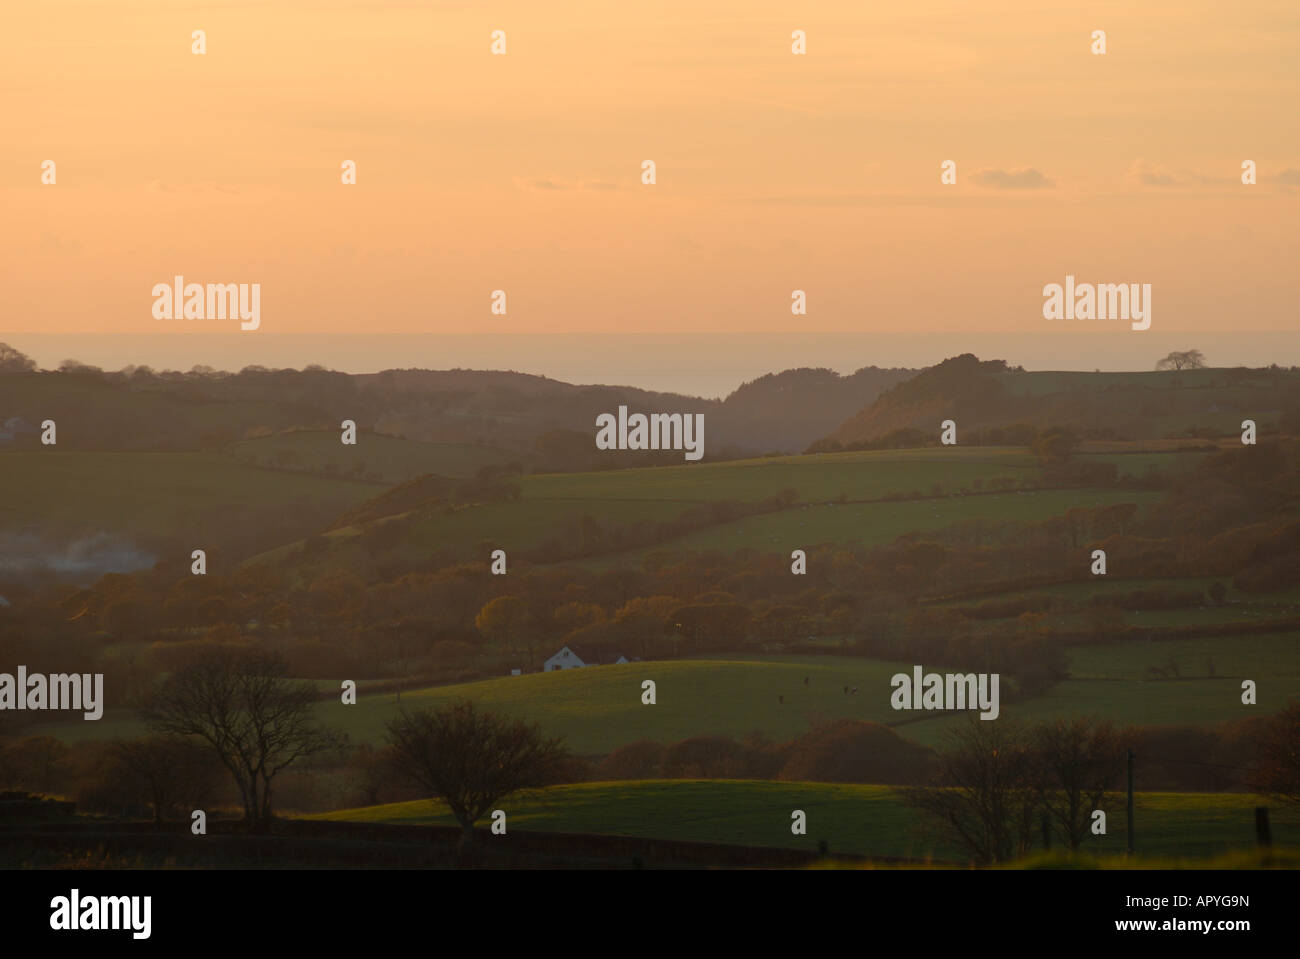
pixel 556 183
pixel 1152 174
pixel 1146 173
pixel 1024 179
pixel 207 186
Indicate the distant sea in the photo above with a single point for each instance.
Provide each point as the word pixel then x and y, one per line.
pixel 699 364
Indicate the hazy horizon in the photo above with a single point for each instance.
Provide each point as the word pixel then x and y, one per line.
pixel 709 364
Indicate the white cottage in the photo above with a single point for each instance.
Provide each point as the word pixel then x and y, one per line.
pixel 568 658
pixel 564 659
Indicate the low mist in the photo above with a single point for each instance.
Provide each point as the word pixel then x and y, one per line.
pixel 84 559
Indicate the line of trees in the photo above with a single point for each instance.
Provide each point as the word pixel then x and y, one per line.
pixel 241 710
pixel 996 782
pixel 997 788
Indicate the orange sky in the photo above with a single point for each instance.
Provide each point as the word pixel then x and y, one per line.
pixel 522 172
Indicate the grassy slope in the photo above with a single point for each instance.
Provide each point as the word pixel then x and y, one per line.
pixel 817 478
pixel 1148 405
pixel 1137 464
pixel 1261 658
pixel 396 460
pixel 598 710
pixel 1239 608
pixel 865 820
pixel 1111 682
pixel 551 505
pixel 152 492
pixel 874 524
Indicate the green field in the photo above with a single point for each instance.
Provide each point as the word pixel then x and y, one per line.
pixel 861 820
pixel 1085 591
pixel 1261 658
pixel 385 458
pixel 1209 615
pixel 1139 702
pixel 1082 591
pixel 1077 620
pixel 1075 598
pixel 1111 682
pixel 597 710
pixel 160 493
pixel 874 524
pixel 155 493
pixel 818 478
pixel 552 505
pixel 1130 465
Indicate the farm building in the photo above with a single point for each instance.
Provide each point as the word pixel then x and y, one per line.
pixel 568 658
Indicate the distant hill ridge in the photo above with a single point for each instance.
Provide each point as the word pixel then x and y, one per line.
pixel 988 394
pixel 140 409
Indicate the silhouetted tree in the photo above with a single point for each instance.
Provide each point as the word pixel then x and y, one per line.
pixel 983 796
pixel 164 770
pixel 471 760
pixel 256 721
pixel 1183 360
pixel 1277 768
pixel 1079 762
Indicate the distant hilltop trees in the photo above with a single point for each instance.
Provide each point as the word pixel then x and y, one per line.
pixel 13 361
pixel 996 404
pixel 1183 360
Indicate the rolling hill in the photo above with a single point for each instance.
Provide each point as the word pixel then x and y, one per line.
pixel 598 710
pixel 982 396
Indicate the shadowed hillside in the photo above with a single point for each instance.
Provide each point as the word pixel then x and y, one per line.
pixel 983 396
pixel 523 415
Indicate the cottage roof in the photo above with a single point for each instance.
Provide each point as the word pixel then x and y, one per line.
pixel 592 655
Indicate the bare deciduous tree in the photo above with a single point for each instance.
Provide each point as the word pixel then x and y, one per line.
pixel 471 760
pixel 169 771
pixel 983 796
pixel 256 721
pixel 1079 762
pixel 1277 767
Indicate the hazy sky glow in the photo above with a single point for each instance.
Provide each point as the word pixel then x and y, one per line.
pixel 775 172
